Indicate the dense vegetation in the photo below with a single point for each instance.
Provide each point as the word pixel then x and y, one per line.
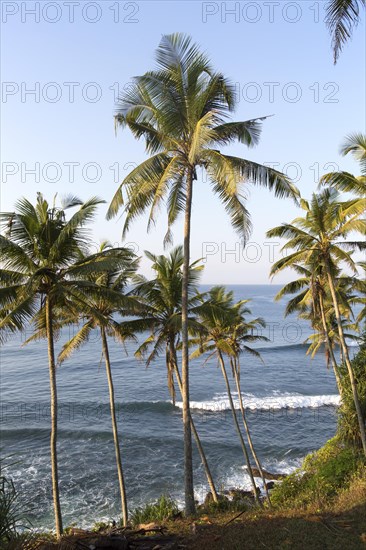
pixel 347 423
pixel 322 475
pixel 336 473
pixel 49 279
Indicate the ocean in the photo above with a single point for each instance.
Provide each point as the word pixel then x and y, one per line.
pixel 291 404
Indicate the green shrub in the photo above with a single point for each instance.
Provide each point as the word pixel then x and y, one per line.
pixel 12 513
pixel 164 508
pixel 23 541
pixel 226 505
pixel 100 526
pixel 68 529
pixel 348 427
pixel 8 511
pixel 322 475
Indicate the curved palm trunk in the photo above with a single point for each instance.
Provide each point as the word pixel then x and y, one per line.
pixel 190 507
pixel 250 441
pixel 170 372
pixel 195 433
pixel 244 449
pixel 346 357
pixel 122 488
pixel 330 347
pixel 53 440
pixel 206 467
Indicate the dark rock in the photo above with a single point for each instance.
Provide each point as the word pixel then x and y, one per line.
pixel 208 499
pixel 240 494
pixel 267 475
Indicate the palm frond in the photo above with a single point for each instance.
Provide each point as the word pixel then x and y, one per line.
pixel 75 342
pixel 341 18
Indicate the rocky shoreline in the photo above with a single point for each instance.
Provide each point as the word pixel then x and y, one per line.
pixel 152 536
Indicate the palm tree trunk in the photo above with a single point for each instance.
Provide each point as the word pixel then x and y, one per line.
pixel 122 488
pixel 53 441
pixel 170 375
pixel 346 356
pixel 195 433
pixel 250 441
pixel 330 347
pixel 205 463
pixel 244 449
pixel 190 507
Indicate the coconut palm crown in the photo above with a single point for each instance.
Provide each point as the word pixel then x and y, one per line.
pixel 181 109
pixel 355 145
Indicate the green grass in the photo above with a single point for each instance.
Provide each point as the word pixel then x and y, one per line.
pixel 238 504
pixel 164 508
pixel 322 476
pixel 340 525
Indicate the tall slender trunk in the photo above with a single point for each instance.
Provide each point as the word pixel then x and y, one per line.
pixel 193 427
pixel 346 356
pixel 53 439
pixel 190 506
pixel 330 347
pixel 206 467
pixel 117 450
pixel 170 374
pixel 244 449
pixel 250 441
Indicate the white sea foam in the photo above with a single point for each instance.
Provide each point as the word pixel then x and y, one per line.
pixel 239 478
pixel 353 344
pixel 220 402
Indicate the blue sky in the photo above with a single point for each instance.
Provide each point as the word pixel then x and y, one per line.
pixel 278 55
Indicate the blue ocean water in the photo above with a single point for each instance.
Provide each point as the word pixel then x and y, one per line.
pixel 291 404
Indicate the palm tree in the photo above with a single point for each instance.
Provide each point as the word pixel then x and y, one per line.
pixel 361 300
pixel 312 301
pixel 318 239
pixel 161 299
pixel 42 276
pixel 181 111
pixel 102 308
pixel 331 340
pixel 223 333
pixel 341 17
pixel 241 332
pixel 354 144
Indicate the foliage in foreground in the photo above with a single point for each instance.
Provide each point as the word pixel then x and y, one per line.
pixel 348 428
pixel 164 508
pixel 12 517
pixel 10 511
pixel 323 475
pixel 237 504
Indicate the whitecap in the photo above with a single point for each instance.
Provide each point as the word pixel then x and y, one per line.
pixel 266 403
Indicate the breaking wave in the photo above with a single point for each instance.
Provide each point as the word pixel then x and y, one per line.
pixel 220 402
